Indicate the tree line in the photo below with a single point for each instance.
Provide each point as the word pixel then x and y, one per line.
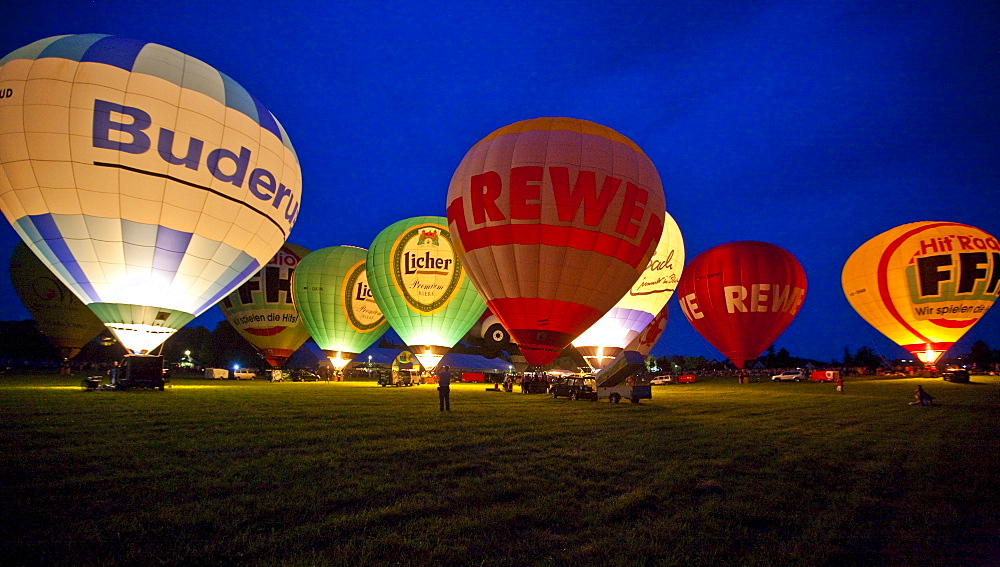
pixel 223 347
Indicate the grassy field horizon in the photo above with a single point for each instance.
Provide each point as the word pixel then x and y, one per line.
pixel 711 473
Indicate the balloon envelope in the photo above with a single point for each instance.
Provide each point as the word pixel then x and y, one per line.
pixel 262 310
pixel 421 286
pixel 644 342
pixel 554 219
pixel 741 296
pixel 924 284
pixel 633 313
pixel 335 301
pixel 151 184
pixel 60 315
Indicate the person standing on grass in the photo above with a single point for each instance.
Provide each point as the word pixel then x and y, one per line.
pixel 444 387
pixel 840 384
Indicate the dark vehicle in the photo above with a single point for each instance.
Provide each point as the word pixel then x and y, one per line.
pixel 303 375
pixel 534 384
pixel 141 371
pixel 574 389
pixel 401 377
pixel 955 375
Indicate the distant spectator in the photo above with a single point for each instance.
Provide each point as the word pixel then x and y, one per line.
pixel 444 388
pixel 921 398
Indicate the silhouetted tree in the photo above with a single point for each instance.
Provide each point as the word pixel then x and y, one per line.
pixel 866 357
pixel 980 355
pixel 848 359
pixel 21 340
pixel 195 339
pixel 770 359
pixel 227 347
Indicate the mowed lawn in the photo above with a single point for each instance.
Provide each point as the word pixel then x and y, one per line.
pixel 711 473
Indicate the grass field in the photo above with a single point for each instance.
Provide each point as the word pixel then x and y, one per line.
pixel 712 473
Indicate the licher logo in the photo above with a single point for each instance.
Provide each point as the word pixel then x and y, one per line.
pixel 425 269
pixel 359 304
pixel 429 236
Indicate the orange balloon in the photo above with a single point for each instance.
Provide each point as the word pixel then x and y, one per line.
pixel 924 284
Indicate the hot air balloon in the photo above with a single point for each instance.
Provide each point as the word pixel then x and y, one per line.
pixel 741 296
pixel 609 336
pixel 60 315
pixel 336 303
pixel 421 286
pixel 924 284
pixel 151 184
pixel 554 219
pixel 262 310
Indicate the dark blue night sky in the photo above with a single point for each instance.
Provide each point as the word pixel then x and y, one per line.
pixel 810 125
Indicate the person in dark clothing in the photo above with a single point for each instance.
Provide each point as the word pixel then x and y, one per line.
pixel 921 398
pixel 444 387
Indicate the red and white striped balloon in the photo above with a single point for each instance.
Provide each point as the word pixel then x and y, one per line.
pixel 554 219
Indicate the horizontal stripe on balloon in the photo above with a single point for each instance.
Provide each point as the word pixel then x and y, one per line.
pixel 541 315
pixel 239 202
pixel 551 235
pixel 954 324
pixel 265 332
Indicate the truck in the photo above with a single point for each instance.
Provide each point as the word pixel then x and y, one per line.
pixel 141 371
pixel 616 381
pixel 400 377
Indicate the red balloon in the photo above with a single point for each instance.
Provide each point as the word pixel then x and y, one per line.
pixel 741 296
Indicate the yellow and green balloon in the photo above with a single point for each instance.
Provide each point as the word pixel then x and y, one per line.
pixel 421 286
pixel 333 296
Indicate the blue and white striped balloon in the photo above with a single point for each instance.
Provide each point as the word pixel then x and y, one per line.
pixel 152 184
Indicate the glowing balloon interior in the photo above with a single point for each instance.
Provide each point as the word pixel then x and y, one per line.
pixel 741 296
pixel 336 303
pixel 609 336
pixel 421 287
pixel 263 312
pixel 151 184
pixel 924 284
pixel 554 219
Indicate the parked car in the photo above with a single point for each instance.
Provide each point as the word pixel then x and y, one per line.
pixel 955 375
pixel 789 376
pixel 574 389
pixel 303 375
pixel 665 379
